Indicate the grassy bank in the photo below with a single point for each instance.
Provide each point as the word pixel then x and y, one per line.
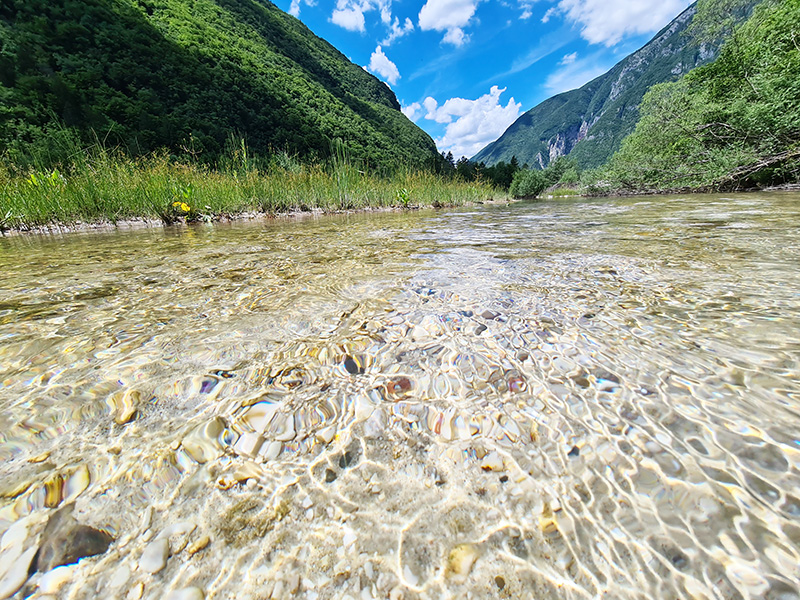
pixel 106 187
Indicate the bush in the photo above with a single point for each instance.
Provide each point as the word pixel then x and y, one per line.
pixel 528 183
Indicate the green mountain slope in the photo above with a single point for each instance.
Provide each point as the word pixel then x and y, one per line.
pixel 732 124
pixel 589 123
pixel 189 74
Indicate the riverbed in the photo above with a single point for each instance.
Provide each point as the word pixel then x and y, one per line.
pixel 552 400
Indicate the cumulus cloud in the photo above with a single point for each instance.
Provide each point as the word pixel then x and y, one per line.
pixel 411 111
pixel 472 124
pixel 380 64
pixel 350 13
pixel 396 30
pixel 456 36
pixel 349 17
pixel 568 59
pixel 294 9
pixel 449 16
pixel 604 22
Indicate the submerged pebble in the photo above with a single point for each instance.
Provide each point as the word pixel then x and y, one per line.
pixel 154 557
pixel 52 581
pixel 188 593
pixel 198 545
pixel 14 567
pixel 461 559
pixel 65 541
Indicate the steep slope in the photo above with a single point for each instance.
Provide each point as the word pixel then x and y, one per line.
pixel 189 74
pixel 589 123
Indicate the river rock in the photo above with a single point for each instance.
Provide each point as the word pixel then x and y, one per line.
pixel 65 541
pixel 52 581
pixel 188 593
pixel 461 559
pixel 154 557
pixel 14 570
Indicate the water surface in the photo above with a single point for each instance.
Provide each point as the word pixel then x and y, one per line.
pixel 566 399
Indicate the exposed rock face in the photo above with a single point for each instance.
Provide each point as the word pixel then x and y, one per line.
pixel 589 123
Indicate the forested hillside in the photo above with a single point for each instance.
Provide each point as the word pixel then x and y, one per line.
pixel 732 124
pixel 590 123
pixel 190 75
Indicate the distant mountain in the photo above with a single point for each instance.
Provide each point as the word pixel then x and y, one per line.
pixel 191 74
pixel 589 123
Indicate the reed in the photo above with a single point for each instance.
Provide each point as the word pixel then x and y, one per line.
pixel 101 185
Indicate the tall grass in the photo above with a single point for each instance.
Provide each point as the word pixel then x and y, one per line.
pixel 102 185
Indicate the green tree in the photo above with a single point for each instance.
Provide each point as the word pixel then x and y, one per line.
pixel 734 123
pixel 528 183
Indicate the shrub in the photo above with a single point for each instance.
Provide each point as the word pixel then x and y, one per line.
pixel 528 183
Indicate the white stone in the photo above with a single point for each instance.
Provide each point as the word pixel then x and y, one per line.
pixel 154 557
pixel 248 444
pixel 366 594
pixel 492 462
pixel 136 592
pixel 271 450
pixel 15 535
pixel 147 519
pixel 188 593
pixel 349 537
pixel 180 528
pixel 120 576
pixel 14 570
pixel 326 434
pixel 55 578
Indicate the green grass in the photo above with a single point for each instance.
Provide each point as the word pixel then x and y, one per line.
pixel 103 186
pixel 562 191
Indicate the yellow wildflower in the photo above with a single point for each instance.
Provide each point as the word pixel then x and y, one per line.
pixel 185 207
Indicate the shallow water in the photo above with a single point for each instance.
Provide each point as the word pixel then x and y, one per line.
pixel 568 399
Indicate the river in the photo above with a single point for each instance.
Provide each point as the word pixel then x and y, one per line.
pixel 559 399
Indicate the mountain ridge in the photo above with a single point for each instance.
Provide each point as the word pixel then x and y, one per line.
pixel 589 123
pixel 175 74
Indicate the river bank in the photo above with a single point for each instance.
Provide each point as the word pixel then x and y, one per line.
pixel 106 191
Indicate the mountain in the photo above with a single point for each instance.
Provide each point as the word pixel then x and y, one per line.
pixel 191 76
pixel 590 122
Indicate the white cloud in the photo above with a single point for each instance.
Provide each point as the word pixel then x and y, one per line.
pixel 569 58
pixel 551 12
pixel 350 13
pixel 411 111
pixel 351 19
pixel 396 30
pixel 448 16
pixel 294 9
pixel 604 22
pixel 380 64
pixel 456 36
pixel 477 122
pixel 574 73
pixel 527 8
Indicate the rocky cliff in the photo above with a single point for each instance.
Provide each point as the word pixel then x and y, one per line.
pixel 589 123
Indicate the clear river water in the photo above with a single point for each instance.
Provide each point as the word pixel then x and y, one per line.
pixel 569 399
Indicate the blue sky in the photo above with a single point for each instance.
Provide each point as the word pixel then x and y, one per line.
pixel 464 70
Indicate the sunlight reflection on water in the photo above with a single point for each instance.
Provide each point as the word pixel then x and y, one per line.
pixel 571 399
